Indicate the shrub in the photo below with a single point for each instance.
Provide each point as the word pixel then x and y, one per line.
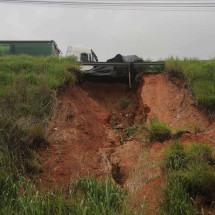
pixel 159 131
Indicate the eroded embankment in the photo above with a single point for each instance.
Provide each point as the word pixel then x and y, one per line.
pixel 87 135
pixel 77 132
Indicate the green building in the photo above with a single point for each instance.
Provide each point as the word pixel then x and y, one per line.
pixel 36 48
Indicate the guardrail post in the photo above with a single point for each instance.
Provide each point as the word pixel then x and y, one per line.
pixel 129 76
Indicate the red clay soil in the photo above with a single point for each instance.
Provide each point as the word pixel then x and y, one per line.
pixel 77 132
pixel 149 196
pixel 175 106
pixel 170 103
pixel 82 142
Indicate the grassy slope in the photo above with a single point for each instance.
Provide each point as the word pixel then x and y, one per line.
pixel 28 87
pixel 201 78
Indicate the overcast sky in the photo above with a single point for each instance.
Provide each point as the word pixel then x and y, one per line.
pixel 148 34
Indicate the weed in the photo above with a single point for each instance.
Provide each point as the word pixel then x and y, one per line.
pixel 191 171
pixel 200 152
pixel 175 157
pixel 99 197
pixel 198 180
pixel 176 201
pixel 159 131
pixel 131 130
pixel 179 132
pixel 86 196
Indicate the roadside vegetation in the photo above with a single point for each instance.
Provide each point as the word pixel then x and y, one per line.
pixel 200 76
pixel 190 176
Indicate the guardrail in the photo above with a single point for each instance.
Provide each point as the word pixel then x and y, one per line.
pixel 124 64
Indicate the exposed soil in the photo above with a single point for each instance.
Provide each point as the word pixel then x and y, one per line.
pixel 86 135
pixel 77 132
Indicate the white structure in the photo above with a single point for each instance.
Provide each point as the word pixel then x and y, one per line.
pixel 82 53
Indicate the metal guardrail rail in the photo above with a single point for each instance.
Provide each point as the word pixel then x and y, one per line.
pixel 125 64
pixel 154 63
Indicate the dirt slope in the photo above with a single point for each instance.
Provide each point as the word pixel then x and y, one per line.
pixel 77 132
pixel 86 135
pixel 170 103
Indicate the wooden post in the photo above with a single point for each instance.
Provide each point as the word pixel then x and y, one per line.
pixel 129 75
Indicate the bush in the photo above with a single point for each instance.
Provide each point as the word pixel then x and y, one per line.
pixel 159 131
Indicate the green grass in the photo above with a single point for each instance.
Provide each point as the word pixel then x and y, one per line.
pixel 159 131
pixel 28 89
pixel 175 157
pixel 198 179
pixel 190 175
pixel 131 130
pixel 87 196
pixel 200 76
pixel 176 201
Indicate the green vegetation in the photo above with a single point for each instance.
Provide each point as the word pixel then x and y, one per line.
pixel 200 75
pixel 155 130
pixel 175 157
pixel 131 130
pixel 85 197
pixel 159 131
pixel 190 176
pixel 176 200
pixel 99 197
pixel 28 87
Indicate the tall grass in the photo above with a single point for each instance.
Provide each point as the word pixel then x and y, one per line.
pixel 190 175
pixel 200 75
pixel 87 196
pixel 28 88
